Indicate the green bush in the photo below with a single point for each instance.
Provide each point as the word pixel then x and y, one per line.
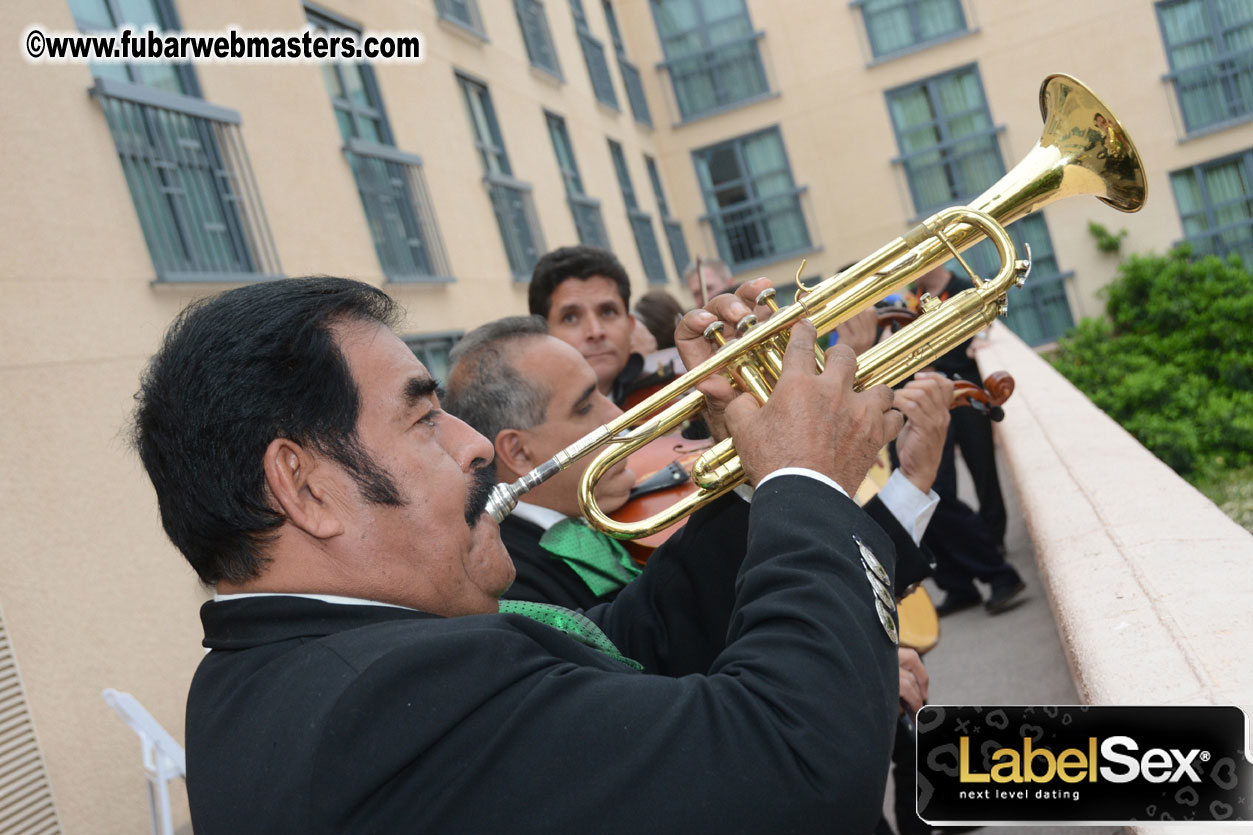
pixel 1173 360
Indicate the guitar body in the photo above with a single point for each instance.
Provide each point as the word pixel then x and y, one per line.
pixel 920 625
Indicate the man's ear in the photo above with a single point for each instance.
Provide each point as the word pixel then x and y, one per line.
pixel 299 481
pixel 512 452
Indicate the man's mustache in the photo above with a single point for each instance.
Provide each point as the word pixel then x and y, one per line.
pixel 480 491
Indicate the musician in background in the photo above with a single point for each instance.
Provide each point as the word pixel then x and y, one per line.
pixel 968 546
pixel 585 296
pixel 706 278
pixel 533 395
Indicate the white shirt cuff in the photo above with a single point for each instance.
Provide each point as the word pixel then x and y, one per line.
pixel 802 471
pixel 911 507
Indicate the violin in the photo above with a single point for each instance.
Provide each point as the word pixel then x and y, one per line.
pixel 988 398
pixel 663 470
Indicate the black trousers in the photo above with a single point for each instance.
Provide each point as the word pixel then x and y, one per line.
pixel 973 433
pixel 965 548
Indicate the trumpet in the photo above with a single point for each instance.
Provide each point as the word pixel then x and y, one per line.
pixel 1083 150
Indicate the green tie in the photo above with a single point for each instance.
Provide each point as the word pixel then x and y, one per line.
pixel 573 623
pixel 598 559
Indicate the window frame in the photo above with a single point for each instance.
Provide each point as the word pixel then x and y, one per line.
pixel 585 210
pixel 511 199
pixel 918 43
pixel 395 201
pixel 1215 36
pixel 947 141
pixel 594 57
pixel 641 221
pixel 471 23
pixel 675 239
pixel 631 80
pixel 706 59
pixel 755 202
pixel 188 174
pixel 1210 208
pixel 538 16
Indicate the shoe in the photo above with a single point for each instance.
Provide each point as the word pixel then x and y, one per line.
pixel 957 601
pixel 1004 599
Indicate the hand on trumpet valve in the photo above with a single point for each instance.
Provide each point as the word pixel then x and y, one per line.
pixel 695 347
pixel 813 419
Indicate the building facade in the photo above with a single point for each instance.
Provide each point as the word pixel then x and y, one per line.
pixel 759 132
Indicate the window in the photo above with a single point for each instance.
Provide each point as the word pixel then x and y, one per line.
pixel 641 221
pixel 1038 311
pixel 433 349
pixel 184 159
pixel 464 13
pixel 511 198
pixel 711 54
pixel 948 143
pixel 674 231
pixel 753 205
pixel 630 73
pixel 594 57
pixel 536 36
pixel 1209 44
pixel 1215 201
pixel 586 210
pixel 950 155
pixel 393 190
pixel 897 25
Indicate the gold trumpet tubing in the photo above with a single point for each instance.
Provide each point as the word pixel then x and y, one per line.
pixel 903 354
pixel 934 334
pixel 719 469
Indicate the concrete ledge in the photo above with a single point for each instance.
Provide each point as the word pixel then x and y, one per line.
pixel 1150 583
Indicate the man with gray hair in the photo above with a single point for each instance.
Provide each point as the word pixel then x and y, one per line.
pixel 706 278
pixel 531 394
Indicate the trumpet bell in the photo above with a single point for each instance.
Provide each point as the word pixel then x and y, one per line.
pixel 1084 130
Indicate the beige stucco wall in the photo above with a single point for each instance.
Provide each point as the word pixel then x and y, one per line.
pixel 93 594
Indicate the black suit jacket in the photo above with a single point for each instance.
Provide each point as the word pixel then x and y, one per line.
pixel 314 717
pixel 718 532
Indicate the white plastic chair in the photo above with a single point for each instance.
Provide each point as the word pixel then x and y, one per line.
pixel 164 759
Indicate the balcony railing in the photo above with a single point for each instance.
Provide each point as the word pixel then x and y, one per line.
pixel 519 224
pixel 192 184
pixel 1230 238
pixel 1215 93
pixel 588 221
pixel 399 210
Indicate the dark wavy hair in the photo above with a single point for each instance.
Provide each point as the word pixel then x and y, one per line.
pixel 233 373
pixel 581 262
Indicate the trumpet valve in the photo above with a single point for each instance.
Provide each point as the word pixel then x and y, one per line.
pixel 766 297
pixel 745 325
pixel 714 333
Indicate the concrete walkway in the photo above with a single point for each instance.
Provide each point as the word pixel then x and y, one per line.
pixel 1014 658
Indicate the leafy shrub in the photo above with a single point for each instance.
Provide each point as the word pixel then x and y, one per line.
pixel 1173 360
